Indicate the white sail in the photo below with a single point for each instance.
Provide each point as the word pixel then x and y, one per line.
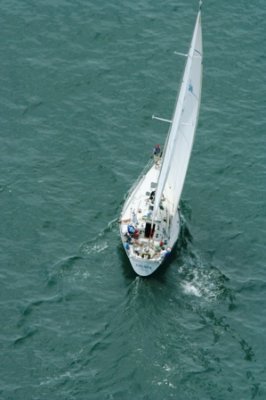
pixel 178 147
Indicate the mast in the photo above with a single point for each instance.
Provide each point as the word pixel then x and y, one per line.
pixel 179 125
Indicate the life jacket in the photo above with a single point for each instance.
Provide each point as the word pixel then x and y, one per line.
pixel 131 229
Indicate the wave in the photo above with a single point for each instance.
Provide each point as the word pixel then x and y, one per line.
pixel 100 242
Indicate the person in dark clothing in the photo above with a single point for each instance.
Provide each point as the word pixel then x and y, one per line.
pixel 157 150
pixel 152 195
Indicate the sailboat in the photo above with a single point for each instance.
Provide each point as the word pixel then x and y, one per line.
pixel 150 219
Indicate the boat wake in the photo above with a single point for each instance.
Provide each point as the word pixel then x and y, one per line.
pixel 197 277
pixel 206 282
pixel 100 243
pixel 90 248
pixel 205 286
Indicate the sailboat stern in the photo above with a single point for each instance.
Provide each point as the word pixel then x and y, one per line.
pixel 147 255
pixel 144 267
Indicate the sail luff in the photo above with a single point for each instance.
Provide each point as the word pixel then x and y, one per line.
pixel 171 138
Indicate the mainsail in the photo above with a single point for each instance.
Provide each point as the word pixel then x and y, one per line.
pixel 178 146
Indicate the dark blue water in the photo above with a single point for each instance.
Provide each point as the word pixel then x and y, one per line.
pixel 79 84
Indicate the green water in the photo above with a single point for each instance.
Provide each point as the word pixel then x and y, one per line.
pixel 79 84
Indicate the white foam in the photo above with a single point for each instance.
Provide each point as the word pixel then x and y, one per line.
pixel 203 284
pixel 94 248
pixel 189 288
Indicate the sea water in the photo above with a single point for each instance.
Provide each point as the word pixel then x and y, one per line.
pixel 79 83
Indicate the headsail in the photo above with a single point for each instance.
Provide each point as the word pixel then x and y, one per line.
pixel 178 146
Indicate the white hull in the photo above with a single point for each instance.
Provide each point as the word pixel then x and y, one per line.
pixel 146 253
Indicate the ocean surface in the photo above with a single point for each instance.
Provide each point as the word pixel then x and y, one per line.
pixel 80 81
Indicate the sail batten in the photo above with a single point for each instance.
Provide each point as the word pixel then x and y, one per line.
pixel 184 121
